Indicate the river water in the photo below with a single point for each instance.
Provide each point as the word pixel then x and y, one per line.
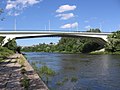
pixel 92 72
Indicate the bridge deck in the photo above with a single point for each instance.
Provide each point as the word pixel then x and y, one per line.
pixel 51 32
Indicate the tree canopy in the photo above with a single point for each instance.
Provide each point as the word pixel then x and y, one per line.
pixel 12 45
pixel 67 45
pixel 1 40
pixel 113 44
pixel 97 30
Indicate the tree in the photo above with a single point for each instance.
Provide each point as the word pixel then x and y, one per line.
pixel 1 40
pixel 113 44
pixel 12 45
pixel 97 30
pixel 18 49
pixel 90 46
pixel 69 45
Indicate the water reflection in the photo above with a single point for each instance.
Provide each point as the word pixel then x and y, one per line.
pixel 95 72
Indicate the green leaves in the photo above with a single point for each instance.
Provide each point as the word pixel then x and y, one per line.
pixel 97 30
pixel 68 45
pixel 113 44
pixel 4 52
pixel 12 45
pixel 1 40
pixel 45 70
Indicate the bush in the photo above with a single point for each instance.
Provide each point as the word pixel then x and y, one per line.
pixel 4 52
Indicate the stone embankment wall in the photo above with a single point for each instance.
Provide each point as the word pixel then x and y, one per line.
pixel 13 73
pixel 35 81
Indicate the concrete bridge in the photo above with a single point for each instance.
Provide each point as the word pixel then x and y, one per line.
pixel 101 38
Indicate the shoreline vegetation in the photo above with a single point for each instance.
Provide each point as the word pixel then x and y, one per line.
pixel 15 62
pixel 104 53
pixel 65 45
pixel 79 45
pixel 9 49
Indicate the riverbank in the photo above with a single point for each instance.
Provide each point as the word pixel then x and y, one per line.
pixel 91 53
pixel 104 53
pixel 16 72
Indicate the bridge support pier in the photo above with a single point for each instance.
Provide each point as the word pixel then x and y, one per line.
pixel 7 39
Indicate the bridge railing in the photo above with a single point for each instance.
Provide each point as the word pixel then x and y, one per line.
pixel 50 31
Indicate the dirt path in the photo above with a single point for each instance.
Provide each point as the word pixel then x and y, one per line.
pixel 10 75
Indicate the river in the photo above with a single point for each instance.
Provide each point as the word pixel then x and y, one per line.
pixel 91 72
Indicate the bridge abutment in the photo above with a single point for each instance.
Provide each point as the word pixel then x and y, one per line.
pixel 7 39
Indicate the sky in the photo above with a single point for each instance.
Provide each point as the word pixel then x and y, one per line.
pixel 65 15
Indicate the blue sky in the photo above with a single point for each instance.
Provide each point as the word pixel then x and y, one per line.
pixel 62 14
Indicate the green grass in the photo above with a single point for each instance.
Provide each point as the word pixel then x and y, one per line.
pixel 65 79
pixel 35 66
pixel 46 70
pixel 59 83
pixel 1 60
pixel 21 61
pixel 97 53
pixel 102 53
pixel 4 53
pixel 74 79
pixel 25 82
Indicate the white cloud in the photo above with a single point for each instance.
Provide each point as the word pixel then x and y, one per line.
pixel 16 7
pixel 73 25
pixel 88 27
pixel 64 8
pixel 10 6
pixel 65 16
pixel 66 26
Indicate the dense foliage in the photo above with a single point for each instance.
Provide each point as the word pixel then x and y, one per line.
pixel 12 45
pixel 9 48
pixel 76 45
pixel 1 40
pixel 67 45
pixel 97 30
pixel 4 52
pixel 113 44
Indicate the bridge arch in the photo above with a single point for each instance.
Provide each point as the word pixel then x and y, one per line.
pixel 101 38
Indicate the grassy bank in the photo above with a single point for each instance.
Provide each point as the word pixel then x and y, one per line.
pixel 5 52
pixel 104 52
